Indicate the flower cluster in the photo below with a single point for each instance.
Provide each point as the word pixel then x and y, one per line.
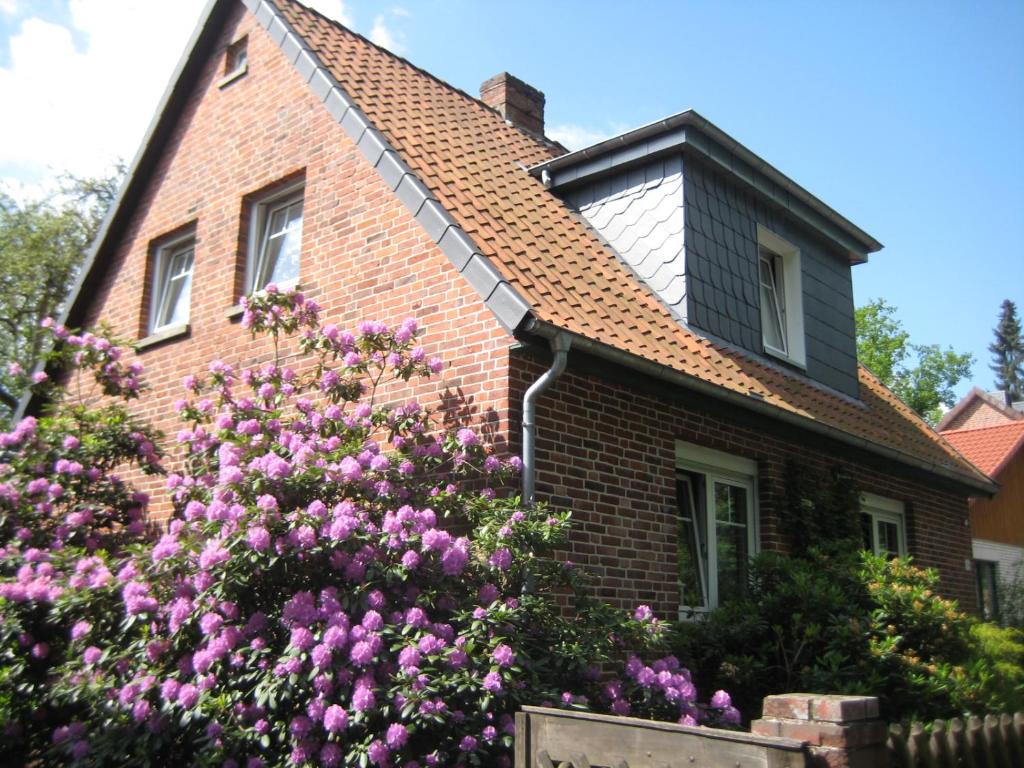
pixel 343 583
pixel 99 353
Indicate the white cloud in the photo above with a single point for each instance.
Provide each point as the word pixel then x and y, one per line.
pixel 77 110
pixel 8 7
pixel 387 37
pixel 575 137
pixel 333 9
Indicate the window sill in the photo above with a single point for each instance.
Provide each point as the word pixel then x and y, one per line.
pixel 234 312
pixel 229 78
pixel 783 357
pixel 164 334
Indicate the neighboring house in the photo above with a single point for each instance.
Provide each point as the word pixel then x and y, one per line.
pixel 698 300
pixel 989 430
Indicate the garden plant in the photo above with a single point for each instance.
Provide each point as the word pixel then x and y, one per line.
pixel 831 618
pixel 343 581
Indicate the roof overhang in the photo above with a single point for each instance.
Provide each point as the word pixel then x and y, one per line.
pixel 690 132
pixel 974 485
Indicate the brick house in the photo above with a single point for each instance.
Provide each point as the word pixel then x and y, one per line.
pixel 686 308
pixel 989 430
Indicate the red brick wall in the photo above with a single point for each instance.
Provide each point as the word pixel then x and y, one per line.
pixel 363 255
pixel 607 451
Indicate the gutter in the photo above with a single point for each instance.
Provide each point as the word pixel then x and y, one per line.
pixel 560 342
pixel 670 375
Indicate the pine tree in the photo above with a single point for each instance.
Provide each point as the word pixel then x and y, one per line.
pixel 1008 352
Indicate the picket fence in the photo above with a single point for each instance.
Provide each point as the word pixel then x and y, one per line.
pixel 995 742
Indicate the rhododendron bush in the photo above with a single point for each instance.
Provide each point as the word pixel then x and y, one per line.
pixel 343 582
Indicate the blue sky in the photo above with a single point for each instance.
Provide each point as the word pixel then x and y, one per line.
pixel 905 117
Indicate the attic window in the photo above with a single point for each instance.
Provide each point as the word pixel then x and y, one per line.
pixel 236 61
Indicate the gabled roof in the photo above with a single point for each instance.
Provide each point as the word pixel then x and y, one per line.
pixel 989 448
pixel 462 171
pixel 975 397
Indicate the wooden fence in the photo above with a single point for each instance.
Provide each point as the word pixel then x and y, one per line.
pixel 995 742
pixel 553 738
pixel 798 730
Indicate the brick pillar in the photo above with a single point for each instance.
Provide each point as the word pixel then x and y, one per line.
pixel 840 731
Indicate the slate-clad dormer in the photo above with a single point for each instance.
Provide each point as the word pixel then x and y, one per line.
pixel 735 250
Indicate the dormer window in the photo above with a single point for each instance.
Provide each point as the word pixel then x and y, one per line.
pixel 773 301
pixel 782 322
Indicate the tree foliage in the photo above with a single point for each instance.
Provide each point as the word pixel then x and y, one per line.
pixel 922 375
pixel 42 245
pixel 1008 352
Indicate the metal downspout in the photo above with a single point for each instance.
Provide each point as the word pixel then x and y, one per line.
pixel 560 344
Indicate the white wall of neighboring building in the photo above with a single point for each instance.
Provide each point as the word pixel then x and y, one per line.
pixel 1008 556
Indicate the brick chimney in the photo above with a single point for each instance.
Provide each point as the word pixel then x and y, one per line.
pixel 519 103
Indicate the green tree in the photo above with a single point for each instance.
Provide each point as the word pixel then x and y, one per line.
pixel 1008 352
pixel 922 375
pixel 42 245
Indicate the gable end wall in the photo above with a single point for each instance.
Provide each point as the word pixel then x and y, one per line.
pixel 364 256
pixel 976 415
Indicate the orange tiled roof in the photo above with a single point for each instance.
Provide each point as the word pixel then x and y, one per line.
pixel 989 448
pixel 475 165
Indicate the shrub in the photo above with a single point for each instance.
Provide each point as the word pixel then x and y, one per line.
pixel 63 513
pixel 854 624
pixel 1003 647
pixel 1011 597
pixel 312 601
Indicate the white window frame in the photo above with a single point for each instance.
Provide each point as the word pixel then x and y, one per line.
pixel 261 212
pixel 885 510
pixel 162 257
pixel 732 470
pixel 791 300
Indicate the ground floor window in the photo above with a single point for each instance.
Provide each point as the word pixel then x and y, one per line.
pixel 883 525
pixel 987 573
pixel 717 531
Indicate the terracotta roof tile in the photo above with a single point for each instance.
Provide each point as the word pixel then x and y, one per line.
pixel 989 448
pixel 475 164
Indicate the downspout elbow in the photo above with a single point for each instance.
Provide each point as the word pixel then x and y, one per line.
pixel 560 344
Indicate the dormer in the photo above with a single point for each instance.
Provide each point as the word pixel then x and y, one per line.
pixel 737 251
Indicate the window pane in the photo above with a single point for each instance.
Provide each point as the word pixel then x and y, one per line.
pixel 888 538
pixel 988 595
pixel 867 528
pixel 731 539
pixel 174 290
pixel 771 313
pixel 692 544
pixel 280 246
